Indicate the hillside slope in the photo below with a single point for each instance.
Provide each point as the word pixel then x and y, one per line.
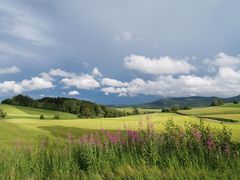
pixel 84 109
pixel 195 101
pixel 21 112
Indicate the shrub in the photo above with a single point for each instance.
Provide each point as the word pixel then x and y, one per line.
pixel 235 102
pixel 186 108
pixel 41 117
pixel 165 110
pixel 135 111
pixel 175 108
pixel 79 115
pixel 56 116
pixel 217 102
pixel 3 114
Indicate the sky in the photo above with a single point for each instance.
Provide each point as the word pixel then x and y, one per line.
pixel 119 52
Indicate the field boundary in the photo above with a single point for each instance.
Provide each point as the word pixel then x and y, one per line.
pixel 212 118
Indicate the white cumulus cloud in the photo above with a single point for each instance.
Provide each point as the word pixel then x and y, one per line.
pixel 10 87
pixel 225 83
pixel 60 73
pixel 10 70
pixel 80 81
pixel 83 81
pixel 73 93
pixel 156 66
pixel 96 72
pixel 113 82
pixel 36 83
pixel 224 60
pixel 26 85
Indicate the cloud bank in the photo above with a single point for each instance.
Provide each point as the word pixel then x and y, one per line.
pixel 170 78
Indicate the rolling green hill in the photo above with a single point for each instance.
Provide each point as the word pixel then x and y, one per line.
pixel 81 108
pixel 194 101
pixel 21 112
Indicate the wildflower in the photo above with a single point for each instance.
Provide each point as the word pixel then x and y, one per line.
pixel 210 144
pixel 196 134
pixel 113 138
pixel 18 144
pixel 102 130
pixel 181 133
pixel 227 150
pixel 91 139
pixel 133 136
pixel 70 138
pixel 83 140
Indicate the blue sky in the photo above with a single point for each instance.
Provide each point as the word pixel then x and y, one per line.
pixel 124 51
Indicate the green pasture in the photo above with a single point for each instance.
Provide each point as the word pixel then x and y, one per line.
pixel 225 112
pixel 24 123
pixel 141 110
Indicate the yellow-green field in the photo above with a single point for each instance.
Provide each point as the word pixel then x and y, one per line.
pixel 141 110
pixel 24 123
pixel 227 111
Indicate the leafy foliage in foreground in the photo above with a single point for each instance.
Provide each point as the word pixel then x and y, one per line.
pixel 194 151
pixel 83 109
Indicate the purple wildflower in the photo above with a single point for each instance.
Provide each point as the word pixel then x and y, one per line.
pixel 113 138
pixel 70 138
pixel 196 134
pixel 210 144
pixel 227 150
pixel 133 136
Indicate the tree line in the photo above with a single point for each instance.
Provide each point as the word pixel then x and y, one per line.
pixel 83 109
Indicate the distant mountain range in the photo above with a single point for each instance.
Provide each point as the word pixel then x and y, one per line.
pixel 194 101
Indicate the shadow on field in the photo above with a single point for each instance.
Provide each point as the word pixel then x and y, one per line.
pixel 63 131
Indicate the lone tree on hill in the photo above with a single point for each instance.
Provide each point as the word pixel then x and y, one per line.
pixel 235 102
pixel 135 111
pixel 217 102
pixel 175 108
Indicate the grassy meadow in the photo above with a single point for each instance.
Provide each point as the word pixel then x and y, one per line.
pixel 23 130
pixel 228 112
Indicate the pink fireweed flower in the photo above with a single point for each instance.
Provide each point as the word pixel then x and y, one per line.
pixel 29 149
pixel 123 140
pixel 18 144
pixel 133 136
pixel 227 150
pixel 83 139
pixel 113 138
pixel 181 133
pixel 210 144
pixel 103 130
pixel 91 139
pixel 196 134
pixel 70 138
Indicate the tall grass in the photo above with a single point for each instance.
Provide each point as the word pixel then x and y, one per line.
pixel 194 151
